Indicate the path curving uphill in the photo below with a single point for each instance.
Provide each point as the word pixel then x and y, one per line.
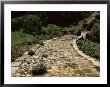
pixel 93 60
pixel 61 60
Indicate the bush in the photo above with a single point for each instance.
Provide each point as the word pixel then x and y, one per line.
pixel 94 35
pixel 51 29
pixel 89 47
pixel 16 23
pixel 39 70
pixel 77 32
pixel 66 30
pixel 19 38
pixel 76 29
pixel 73 29
pixel 98 15
pixel 29 24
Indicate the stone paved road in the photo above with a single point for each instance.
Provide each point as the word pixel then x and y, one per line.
pixel 61 60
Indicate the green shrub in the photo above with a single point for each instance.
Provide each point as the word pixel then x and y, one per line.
pixel 39 70
pixel 51 29
pixel 94 35
pixel 77 32
pixel 98 15
pixel 72 30
pixel 20 43
pixel 29 24
pixel 19 38
pixel 89 47
pixel 16 23
pixel 66 30
pixel 45 30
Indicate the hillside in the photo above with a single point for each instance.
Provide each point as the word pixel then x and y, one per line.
pixel 52 50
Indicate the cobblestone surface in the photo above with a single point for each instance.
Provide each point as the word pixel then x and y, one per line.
pixel 61 60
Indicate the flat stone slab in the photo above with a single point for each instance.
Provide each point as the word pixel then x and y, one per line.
pixel 15 64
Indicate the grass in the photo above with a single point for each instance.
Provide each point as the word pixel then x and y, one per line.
pixel 20 43
pixel 90 48
pixel 19 38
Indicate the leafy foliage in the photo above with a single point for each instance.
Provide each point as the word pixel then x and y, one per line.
pixel 98 15
pixel 94 35
pixel 16 23
pixel 20 42
pixel 51 29
pixel 89 47
pixel 31 24
pixel 73 29
pixel 19 38
pixel 28 24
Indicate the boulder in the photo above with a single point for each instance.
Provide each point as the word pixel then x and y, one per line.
pixel 41 43
pixel 45 55
pixel 31 52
